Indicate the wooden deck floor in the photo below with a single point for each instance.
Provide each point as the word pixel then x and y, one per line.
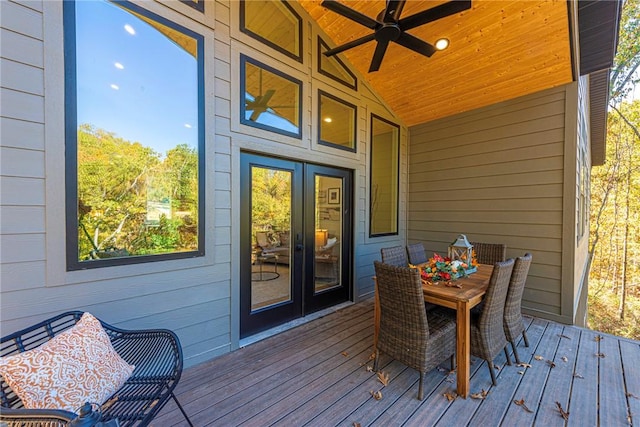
pixel 316 375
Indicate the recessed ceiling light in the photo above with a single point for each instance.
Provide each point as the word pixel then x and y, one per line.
pixel 115 87
pixel 119 66
pixel 442 44
pixel 129 29
pixel 328 119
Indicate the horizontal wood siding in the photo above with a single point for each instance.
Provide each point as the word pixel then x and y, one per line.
pixel 197 298
pixel 496 175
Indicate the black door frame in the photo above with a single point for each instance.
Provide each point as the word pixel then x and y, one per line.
pixel 303 301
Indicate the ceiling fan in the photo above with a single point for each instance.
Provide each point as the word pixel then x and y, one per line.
pixel 389 27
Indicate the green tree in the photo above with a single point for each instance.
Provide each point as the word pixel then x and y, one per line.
pixel 120 183
pixel 614 299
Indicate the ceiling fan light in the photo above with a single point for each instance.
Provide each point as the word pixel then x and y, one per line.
pixel 442 44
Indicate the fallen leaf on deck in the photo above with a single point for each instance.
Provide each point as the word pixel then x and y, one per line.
pixel 601 355
pixel 372 356
pixel 551 364
pixel 355 424
pixel 564 336
pixel 377 395
pixel 524 365
pixel 538 357
pixel 384 378
pixel 369 368
pixel 576 375
pixel 450 396
pixel 480 395
pixel 564 359
pixel 524 406
pixel 598 338
pixel 563 413
pixel 633 395
pixel 496 367
pixel 345 354
pixel 521 372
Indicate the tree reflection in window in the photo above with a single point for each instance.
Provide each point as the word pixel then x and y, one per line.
pixel 135 138
pixel 272 99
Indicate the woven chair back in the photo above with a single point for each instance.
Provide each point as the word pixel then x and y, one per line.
pixel 417 254
pixel 490 253
pixel 404 330
pixel 395 255
pixel 513 307
pixel 492 316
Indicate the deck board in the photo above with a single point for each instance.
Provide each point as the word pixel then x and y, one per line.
pixel 613 405
pixel 558 386
pixel 316 375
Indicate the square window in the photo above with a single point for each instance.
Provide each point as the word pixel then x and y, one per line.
pixel 272 99
pixel 135 136
pixel 336 122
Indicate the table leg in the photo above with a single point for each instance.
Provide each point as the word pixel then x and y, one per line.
pixel 463 350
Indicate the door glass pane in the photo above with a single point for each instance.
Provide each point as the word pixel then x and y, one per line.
pixel 328 232
pixel 270 232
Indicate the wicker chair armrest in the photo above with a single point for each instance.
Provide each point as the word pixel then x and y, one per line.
pixel 35 417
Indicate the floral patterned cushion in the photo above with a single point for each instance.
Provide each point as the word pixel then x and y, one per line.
pixel 79 365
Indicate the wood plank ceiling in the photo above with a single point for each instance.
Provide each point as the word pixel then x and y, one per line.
pixel 499 50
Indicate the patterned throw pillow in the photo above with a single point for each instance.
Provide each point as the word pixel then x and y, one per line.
pixel 79 365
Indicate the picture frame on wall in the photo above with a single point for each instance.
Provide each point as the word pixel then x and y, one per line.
pixel 333 196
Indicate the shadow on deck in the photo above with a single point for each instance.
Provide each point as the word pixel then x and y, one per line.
pixel 316 374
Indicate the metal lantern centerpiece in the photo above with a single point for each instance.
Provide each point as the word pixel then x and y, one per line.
pixel 462 250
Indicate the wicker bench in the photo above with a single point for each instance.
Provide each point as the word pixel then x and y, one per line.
pixel 156 354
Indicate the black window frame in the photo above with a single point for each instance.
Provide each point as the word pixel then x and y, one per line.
pixel 197 5
pixel 322 44
pixel 71 146
pixel 397 207
pixel 244 59
pixel 322 93
pixel 244 29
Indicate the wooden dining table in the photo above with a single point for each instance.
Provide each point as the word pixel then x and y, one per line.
pixel 466 294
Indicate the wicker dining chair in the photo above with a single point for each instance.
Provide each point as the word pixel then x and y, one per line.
pixel 395 255
pixel 417 254
pixel 513 322
pixel 487 332
pixel 489 253
pixel 407 333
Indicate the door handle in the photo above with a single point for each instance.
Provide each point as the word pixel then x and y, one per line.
pixel 299 247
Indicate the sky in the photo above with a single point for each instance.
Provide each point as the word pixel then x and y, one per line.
pixel 132 80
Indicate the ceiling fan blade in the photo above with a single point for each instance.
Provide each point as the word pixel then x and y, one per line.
pixel 393 10
pixel 256 114
pixel 264 100
pixel 434 14
pixel 349 45
pixel 381 48
pixel 415 44
pixel 354 15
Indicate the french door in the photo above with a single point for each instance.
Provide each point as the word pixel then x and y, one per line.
pixel 295 240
